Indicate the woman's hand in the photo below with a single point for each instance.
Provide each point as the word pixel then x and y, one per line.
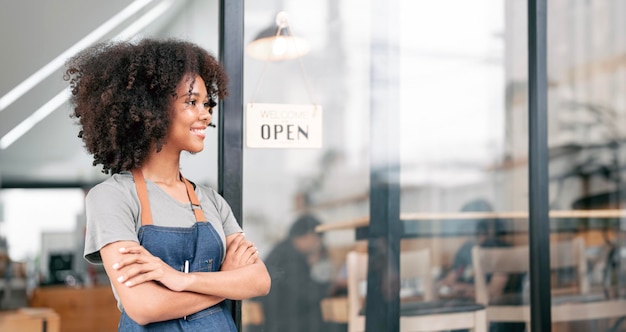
pixel 240 252
pixel 138 265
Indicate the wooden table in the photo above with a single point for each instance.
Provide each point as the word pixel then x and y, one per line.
pixel 30 320
pixel 92 309
pixel 417 224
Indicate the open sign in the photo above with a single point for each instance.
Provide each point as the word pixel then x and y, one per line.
pixel 283 126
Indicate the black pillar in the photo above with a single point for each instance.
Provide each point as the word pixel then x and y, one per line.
pixel 383 279
pixel 539 221
pixel 230 145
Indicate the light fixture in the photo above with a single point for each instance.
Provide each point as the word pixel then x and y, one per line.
pixel 53 66
pixel 276 42
pixel 58 100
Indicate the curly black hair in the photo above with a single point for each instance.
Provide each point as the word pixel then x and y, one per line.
pixel 121 92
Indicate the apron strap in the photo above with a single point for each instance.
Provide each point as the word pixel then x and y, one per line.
pixel 195 203
pixel 142 193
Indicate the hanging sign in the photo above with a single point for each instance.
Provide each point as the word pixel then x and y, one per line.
pixel 283 126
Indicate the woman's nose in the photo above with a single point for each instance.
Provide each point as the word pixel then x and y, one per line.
pixel 205 114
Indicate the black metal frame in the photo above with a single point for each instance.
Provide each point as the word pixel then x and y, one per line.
pixel 538 203
pixel 230 141
pixel 385 228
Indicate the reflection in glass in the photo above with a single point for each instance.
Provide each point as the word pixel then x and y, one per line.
pixel 464 158
pixel 586 119
pixel 462 87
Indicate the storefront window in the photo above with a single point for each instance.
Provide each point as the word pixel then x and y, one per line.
pixel 461 81
pixel 586 116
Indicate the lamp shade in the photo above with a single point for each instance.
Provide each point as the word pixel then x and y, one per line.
pixel 275 43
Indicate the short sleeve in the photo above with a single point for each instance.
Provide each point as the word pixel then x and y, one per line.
pixel 111 216
pixel 229 222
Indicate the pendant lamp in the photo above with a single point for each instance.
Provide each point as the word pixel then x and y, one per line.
pixel 277 43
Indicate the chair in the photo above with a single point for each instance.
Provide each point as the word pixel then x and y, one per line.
pixel 427 315
pixel 571 304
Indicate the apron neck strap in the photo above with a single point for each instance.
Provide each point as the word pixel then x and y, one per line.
pixel 193 198
pixel 142 193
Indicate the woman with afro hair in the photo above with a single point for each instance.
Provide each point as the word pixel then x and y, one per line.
pixel 172 249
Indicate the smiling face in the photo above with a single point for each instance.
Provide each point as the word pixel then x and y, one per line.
pixel 191 114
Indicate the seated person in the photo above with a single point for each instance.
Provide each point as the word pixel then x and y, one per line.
pixel 301 278
pixel 459 281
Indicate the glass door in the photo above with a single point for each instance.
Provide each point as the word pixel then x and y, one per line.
pixel 586 116
pixel 418 197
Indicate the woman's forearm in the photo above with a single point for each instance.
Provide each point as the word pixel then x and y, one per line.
pixel 151 303
pixel 243 283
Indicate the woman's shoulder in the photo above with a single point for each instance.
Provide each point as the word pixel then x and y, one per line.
pixel 113 196
pixel 119 183
pixel 208 192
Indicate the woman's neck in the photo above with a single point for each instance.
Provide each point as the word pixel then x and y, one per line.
pixel 161 169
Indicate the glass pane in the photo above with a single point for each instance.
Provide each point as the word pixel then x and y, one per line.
pixel 331 183
pixel 464 157
pixel 587 85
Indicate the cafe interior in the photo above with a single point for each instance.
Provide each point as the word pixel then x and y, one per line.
pixel 464 158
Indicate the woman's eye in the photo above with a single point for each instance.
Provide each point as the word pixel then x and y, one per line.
pixel 191 102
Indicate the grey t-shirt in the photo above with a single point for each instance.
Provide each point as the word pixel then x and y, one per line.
pixel 114 213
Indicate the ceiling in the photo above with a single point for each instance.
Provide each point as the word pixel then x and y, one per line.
pixel 35 32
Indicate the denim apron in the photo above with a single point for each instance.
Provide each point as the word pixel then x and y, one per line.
pixel 199 247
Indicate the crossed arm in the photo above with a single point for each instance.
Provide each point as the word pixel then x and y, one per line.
pixel 151 291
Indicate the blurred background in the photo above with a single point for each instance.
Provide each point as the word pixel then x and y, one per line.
pixel 459 102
